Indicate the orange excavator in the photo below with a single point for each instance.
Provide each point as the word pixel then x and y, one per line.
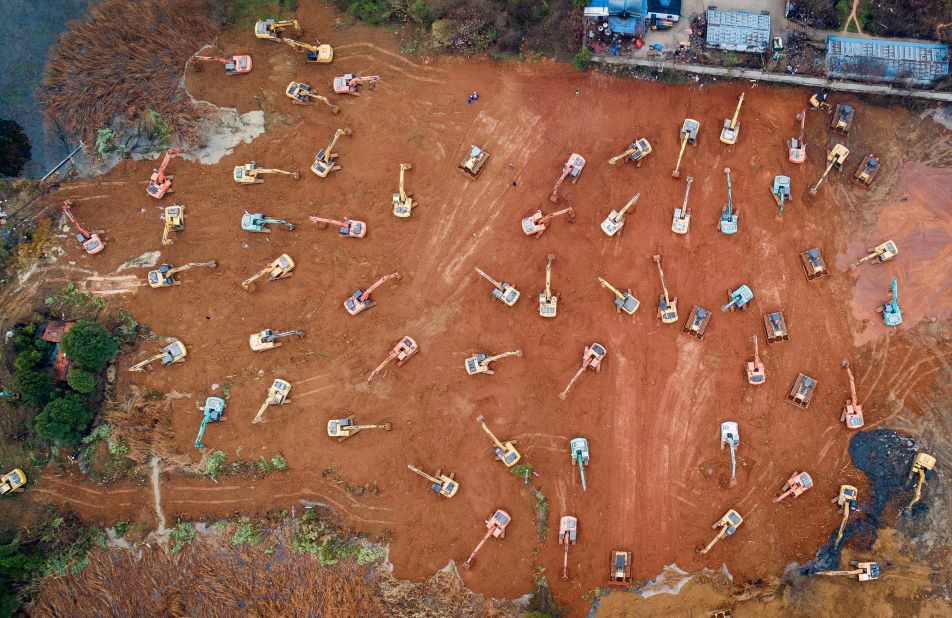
pixel 360 299
pixel 796 485
pixel 852 409
pixel 351 82
pixel 591 359
pixel 90 241
pixel 536 224
pixel 235 65
pixel 322 53
pixel 495 527
pixel 159 183
pixel 348 227
pixel 573 167
pixel 404 349
pixel 568 531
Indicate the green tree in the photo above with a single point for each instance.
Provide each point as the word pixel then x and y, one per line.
pixel 64 420
pixel 422 13
pixel 34 387
pixel 581 60
pixel 90 345
pixel 82 381
pixel 28 360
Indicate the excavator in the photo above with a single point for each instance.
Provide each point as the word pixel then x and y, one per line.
pixel 681 222
pixel 482 362
pixel 818 103
pixel 636 153
pixel 12 481
pixel 325 161
pixel 667 308
pixel 798 148
pixel 248 174
pixel 159 183
pixel 726 526
pixel 814 266
pixel 619 568
pixel 801 393
pixel 361 299
pixel 796 485
pixel 90 241
pixel 923 463
pixel 446 486
pixel 842 120
pixel 548 302
pixel 320 53
pixel 213 412
pixel 568 531
pixel 835 158
pixel 572 168
pixel 502 291
pixel 892 315
pixel 503 451
pixel 403 201
pixel 472 163
pixel 277 396
pixel 495 528
pixel 268 339
pixel 402 352
pixel 739 298
pixel 592 358
pixel 881 253
pixel 351 82
pixel 756 373
pixel 258 222
pixel 688 134
pixel 731 129
pixel 278 269
pixel 302 94
pixel 616 218
pixel 781 190
pixel 864 571
pixel 578 449
pixel 273 30
pixel 234 65
pixel 174 218
pixel 164 276
pixel 730 436
pixel 728 221
pixel 343 428
pixel 175 352
pixel 697 322
pixel 348 228
pixel 624 301
pixel 846 500
pixel 775 327
pixel 865 174
pixel 852 410
pixel 536 224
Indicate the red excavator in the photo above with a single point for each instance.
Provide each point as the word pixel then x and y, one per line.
pixel 755 368
pixel 536 224
pixel 347 227
pixel 360 299
pixel 349 83
pixel 573 167
pixel 591 359
pixel 568 529
pixel 406 348
pixel 235 65
pixel 852 410
pixel 159 183
pixel 90 241
pixel 495 527
pixel 796 485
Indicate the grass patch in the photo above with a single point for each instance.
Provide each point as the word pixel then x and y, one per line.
pixel 541 507
pixel 245 534
pixel 318 535
pixel 181 535
pixel 215 464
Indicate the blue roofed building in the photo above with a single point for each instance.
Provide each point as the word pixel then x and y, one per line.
pixel 884 60
pixel 625 17
pixel 739 31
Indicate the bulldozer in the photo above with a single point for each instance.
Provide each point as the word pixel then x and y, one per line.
pixel 472 163
pixel 814 267
pixel 726 526
pixel 361 298
pixel 502 291
pixel 731 130
pixel 90 241
pixel 159 183
pixel 321 53
pixel 738 299
pixel 842 120
pixel 697 322
pixel 578 449
pixel 892 314
pixel 864 571
pixel 259 222
pixel 277 396
pixel 249 173
pixel 624 301
pixel 278 269
pixel 780 190
pixel 446 486
pixel 923 463
pixel 834 159
pixel 348 228
pixel 302 94
pixel 866 173
pixel 846 500
pixel 503 451
pixel 667 308
pixel 616 218
pixel 273 29
pixel 881 253
pixel 619 568
pixel 775 327
pixel 164 276
pixel 12 481
pixel 343 428
pixel 818 103
pixel 402 352
pixel 325 161
pixel 592 358
pixel 234 65
pixel 797 484
pixel 730 437
pixel 756 373
pixel 728 221
pixel 572 169
pixel 495 528
pixel 548 302
pixel 801 393
pixel 688 135
pixel 175 352
pixel 403 201
pixel 681 222
pixel 636 152
pixel 174 221
pixel 852 410
pixel 482 362
pixel 268 339
pixel 351 82
pixel 538 222
pixel 797 147
pixel 213 412
pixel 568 534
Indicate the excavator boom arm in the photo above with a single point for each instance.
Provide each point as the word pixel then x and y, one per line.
pixel 503 355
pixel 626 207
pixel 548 278
pixel 377 284
pixel 330 147
pixel 730 194
pixel 424 474
pixel 737 111
pixel 323 220
pixel 403 194
pixel 628 152
pixel 612 288
pixel 664 287
pixel 492 436
pixel 496 284
pixel 76 224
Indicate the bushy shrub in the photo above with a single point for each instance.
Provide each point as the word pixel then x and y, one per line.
pixel 82 381
pixel 90 345
pixel 34 387
pixel 28 360
pixel 582 59
pixel 64 420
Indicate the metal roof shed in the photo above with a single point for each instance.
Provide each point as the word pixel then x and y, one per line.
pixel 738 30
pixel 886 61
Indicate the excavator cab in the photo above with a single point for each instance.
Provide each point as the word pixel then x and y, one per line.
pixel 696 324
pixel 801 393
pixel 865 174
pixel 213 412
pixel 548 302
pixel 842 120
pixel 343 428
pixel 795 486
pixel 175 352
pixel 814 267
pixel 775 327
pixel 472 163
pixel 12 481
pixel 619 569
pixel 273 29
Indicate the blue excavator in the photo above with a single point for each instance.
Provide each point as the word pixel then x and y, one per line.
pixel 259 222
pixel 892 316
pixel 728 223
pixel 578 448
pixel 739 298
pixel 214 411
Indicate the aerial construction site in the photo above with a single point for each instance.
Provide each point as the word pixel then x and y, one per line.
pixel 530 321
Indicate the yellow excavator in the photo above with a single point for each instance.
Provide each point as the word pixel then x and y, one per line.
pixel 273 29
pixel 636 153
pixel 504 451
pixel 924 462
pixel 164 276
pixel 728 525
pixel 175 352
pixel 482 362
pixel 403 201
pixel 325 161
pixel 343 428
pixel 248 174
pixel 13 481
pixel 835 158
pixel 846 500
pixel 548 302
pixel 278 269
pixel 689 129
pixel 174 218
pixel 882 252
pixel 446 486
pixel 667 308
pixel 321 53
pixel 302 94
pixel 731 129
pixel 277 396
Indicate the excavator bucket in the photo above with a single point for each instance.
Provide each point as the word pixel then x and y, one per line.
pixel 814 267
pixel 697 322
pixel 775 327
pixel 801 393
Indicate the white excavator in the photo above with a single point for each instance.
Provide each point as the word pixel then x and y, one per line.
pixel 616 218
pixel 636 152
pixel 303 94
pixel 681 222
pixel 688 135
pixel 343 428
pixel 726 526
pixel 835 158
pixel 403 201
pixel 548 302
pixel 249 173
pixel 482 362
pixel 278 269
pixel 277 396
pixel 164 276
pixel 175 352
pixel 268 339
pixel 863 571
pixel 503 291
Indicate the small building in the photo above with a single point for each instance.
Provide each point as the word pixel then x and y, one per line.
pixel 738 31
pixel 625 17
pixel 663 14
pixel 53 332
pixel 884 60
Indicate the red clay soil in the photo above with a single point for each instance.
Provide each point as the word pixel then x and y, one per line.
pixel 657 479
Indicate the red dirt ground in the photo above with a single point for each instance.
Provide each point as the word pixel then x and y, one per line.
pixel 657 479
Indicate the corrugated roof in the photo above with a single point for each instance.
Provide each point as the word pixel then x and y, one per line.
pixel 738 30
pixel 884 60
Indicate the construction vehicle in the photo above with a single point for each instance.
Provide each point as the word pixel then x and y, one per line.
pixel 404 349
pixel 174 221
pixel 730 436
pixel 325 161
pixel 619 568
pixel 814 266
pixel 12 481
pixel 343 428
pixel 892 315
pixel 446 486
pixel 881 253
pixel 818 103
pixel 624 301
pixel 781 190
pixel 835 158
pixel 697 322
pixel 351 82
pixel 319 52
pixel 726 526
pixel 728 221
pixel 348 228
pixel 277 396
pixel 568 534
pixel 472 163
pixel 796 485
pixel 572 168
pixel 302 94
pixel 591 359
pixel 864 571
pixel 681 222
pixel 481 362
pixel 90 241
pixel 548 302
pixel 278 269
pixel 273 30
pixel 258 222
pixel 360 299
pixel 248 174
pixel 503 451
pixel 213 412
pixel 502 291
pixel 616 218
pixel 636 152
pixel 175 352
pixel 801 393
pixel 536 224
pixel 739 298
pixel 159 183
pixel 234 65
pixel 846 500
pixel 852 410
pixel 731 129
pixel 688 134
pixel 923 463
pixel 403 201
pixel 865 174
pixel 495 527
pixel 268 339
pixel 798 148
pixel 667 308
pixel 578 449
pixel 775 327
pixel 842 120
pixel 164 276
pixel 756 373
